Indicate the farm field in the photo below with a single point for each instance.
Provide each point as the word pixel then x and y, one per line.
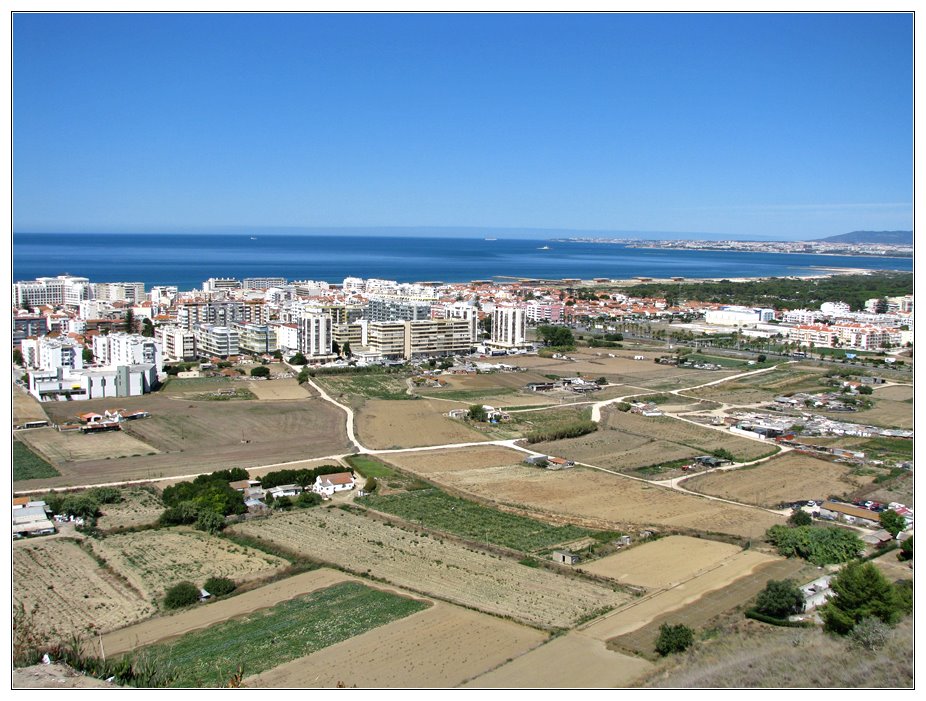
pixel 74 446
pixel 382 424
pixel 155 560
pixel 716 602
pixel 69 591
pixel 887 413
pixel 432 508
pixel 139 507
pixel 173 625
pixel 278 390
pixel 27 465
pixel 195 437
pixel 442 646
pixel 664 562
pixel 426 564
pixel 26 407
pixel 572 661
pixel 764 386
pixel 597 499
pixel 892 568
pixel 290 629
pixel 455 459
pixel 355 387
pixel 897 393
pixel 784 478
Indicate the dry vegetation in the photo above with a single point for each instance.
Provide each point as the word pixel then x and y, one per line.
pixel 138 507
pixel 766 386
pixel 74 446
pixel 26 407
pixel 155 560
pixel 383 424
pixel 785 478
pixel 443 569
pixel 897 393
pixel 69 590
pixel 278 390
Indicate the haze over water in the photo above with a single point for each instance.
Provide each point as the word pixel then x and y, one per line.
pixel 188 260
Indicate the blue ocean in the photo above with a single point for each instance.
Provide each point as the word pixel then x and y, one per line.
pixel 186 260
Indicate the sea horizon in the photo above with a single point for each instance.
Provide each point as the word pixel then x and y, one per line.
pixel 186 261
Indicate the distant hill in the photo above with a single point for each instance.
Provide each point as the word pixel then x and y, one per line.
pixel 895 237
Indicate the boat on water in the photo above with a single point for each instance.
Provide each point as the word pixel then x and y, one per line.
pixel 544 248
pixel 490 239
pixel 254 238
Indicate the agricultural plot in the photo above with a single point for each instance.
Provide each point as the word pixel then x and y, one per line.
pixel 764 386
pixel 155 560
pixel 207 436
pixel 596 499
pixel 426 564
pixel 291 629
pixel 69 592
pixel 435 462
pixel 785 478
pixel 74 446
pixel 139 507
pixel 437 648
pixel 352 387
pixel 887 413
pixel 663 563
pixel 278 390
pixel 897 393
pixel 382 424
pixel 434 509
pixel 26 407
pixel 27 465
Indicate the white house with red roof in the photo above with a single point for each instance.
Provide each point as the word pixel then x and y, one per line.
pixel 337 482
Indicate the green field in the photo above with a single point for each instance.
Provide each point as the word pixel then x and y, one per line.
pixel 435 509
pixel 29 466
pixel 370 466
pixel 292 629
pixel 470 395
pixel 369 385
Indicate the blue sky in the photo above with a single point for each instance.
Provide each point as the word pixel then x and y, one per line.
pixel 779 126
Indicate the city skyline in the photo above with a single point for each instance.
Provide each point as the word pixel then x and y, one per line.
pixel 742 125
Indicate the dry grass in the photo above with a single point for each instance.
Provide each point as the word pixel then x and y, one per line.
pixel 897 393
pixel 748 654
pixel 138 507
pixel 74 446
pixel 785 478
pixel 277 390
pixel 384 424
pixel 26 407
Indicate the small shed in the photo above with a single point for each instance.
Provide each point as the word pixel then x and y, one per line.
pixel 565 557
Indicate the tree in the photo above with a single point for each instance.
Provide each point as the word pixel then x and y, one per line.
pixel 336 348
pixel 345 349
pixel 780 599
pixel 861 591
pixel 865 389
pixel 308 499
pixel 674 639
pixel 130 320
pixel 277 355
pixel 559 336
pixel 219 586
pixel 180 595
pixel 478 413
pixel 601 381
pixel 147 328
pixel 87 355
pixel 209 521
pixel 18 357
pixel 761 358
pixel 298 359
pixel 892 522
pixel 370 485
pixel 799 517
pixel 906 549
pixel 260 371
pixel 303 375
pixel 881 306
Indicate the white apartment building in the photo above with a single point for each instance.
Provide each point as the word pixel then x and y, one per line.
pixel 835 308
pixel 96 309
pixel 311 288
pixel 263 283
pixel 353 284
pixel 256 338
pixel 736 316
pixel 221 284
pixel 98 383
pixel 287 335
pixel 799 316
pixel 820 335
pixel 215 341
pixel 189 314
pixel 176 343
pixel 63 290
pixel 127 349
pixel 133 292
pixel 864 336
pixel 544 312
pixel 53 353
pixel 315 336
pixel 509 327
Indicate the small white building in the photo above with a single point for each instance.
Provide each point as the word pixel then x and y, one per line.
pixel 327 485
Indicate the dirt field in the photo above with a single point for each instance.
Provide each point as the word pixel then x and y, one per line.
pixel 571 661
pixel 600 500
pixel 278 390
pixel 784 478
pixel 70 591
pixel 442 646
pixel 205 436
pixel 74 446
pixel 26 407
pixel 137 508
pixel 663 563
pixel 383 424
pixel 892 568
pixel 452 460
pixel 155 560
pixel 428 565
pixel 888 413
pixel 764 386
pixel 898 393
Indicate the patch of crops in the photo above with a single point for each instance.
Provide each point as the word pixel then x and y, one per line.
pixel 29 466
pixel 292 629
pixel 435 509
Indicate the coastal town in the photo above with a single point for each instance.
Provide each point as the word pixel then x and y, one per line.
pixel 715 428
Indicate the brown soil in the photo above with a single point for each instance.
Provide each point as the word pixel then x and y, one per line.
pixel 383 424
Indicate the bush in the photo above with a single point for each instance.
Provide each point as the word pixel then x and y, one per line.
pixel 892 522
pixel 674 639
pixel 308 499
pixel 477 413
pixel 370 485
pixel 780 599
pixel 180 595
pixel 906 549
pixel 574 430
pixel 821 545
pixel 799 517
pixel 210 521
pixel 219 586
pixel 298 359
pixel 260 371
pixel 870 633
pixel 861 592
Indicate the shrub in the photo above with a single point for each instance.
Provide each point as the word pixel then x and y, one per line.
pixel 674 639
pixel 260 371
pixel 308 499
pixel 821 545
pixel 180 595
pixel 219 586
pixel 799 517
pixel 861 591
pixel 105 495
pixel 906 549
pixel 210 521
pixel 477 413
pixel 870 633
pixel 370 485
pixel 298 359
pixel 780 599
pixel 892 522
pixel 574 430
